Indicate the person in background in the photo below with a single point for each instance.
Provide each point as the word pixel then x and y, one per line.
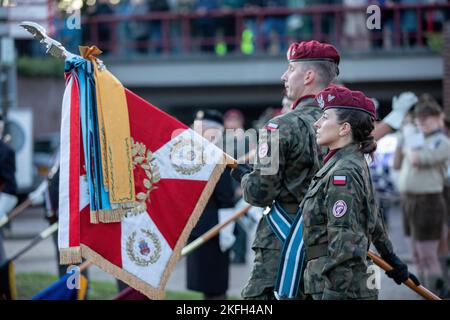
pixel 235 143
pixel 426 152
pixel 8 185
pixel 207 267
pixel 444 252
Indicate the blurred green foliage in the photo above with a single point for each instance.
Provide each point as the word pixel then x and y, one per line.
pixel 435 41
pixel 40 67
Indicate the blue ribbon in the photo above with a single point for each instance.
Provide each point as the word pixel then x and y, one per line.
pixel 290 233
pixel 98 195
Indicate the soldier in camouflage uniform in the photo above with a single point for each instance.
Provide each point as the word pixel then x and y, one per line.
pixel 340 219
pixel 312 67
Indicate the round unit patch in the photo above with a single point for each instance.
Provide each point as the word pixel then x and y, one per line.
pixel 339 208
pixel 263 149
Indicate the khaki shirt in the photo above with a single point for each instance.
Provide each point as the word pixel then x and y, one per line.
pixel 430 174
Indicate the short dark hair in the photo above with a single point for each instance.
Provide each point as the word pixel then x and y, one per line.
pixel 327 71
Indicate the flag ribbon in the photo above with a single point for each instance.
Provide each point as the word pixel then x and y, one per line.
pixel 105 137
pixel 289 232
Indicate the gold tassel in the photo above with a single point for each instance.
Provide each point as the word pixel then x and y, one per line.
pixel 94 217
pixel 70 255
pixel 111 216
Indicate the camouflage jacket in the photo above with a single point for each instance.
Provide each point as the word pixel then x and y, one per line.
pixel 290 139
pixel 339 210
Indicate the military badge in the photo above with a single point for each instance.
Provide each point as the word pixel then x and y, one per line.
pixel 330 97
pixel 272 126
pixel 320 101
pixel 263 150
pixel 339 180
pixel 339 208
pixel 143 248
pixel 187 156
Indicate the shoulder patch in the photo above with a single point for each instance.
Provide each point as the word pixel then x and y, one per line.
pixel 339 208
pixel 339 180
pixel 263 150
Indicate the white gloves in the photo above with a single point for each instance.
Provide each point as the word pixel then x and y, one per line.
pixel 37 196
pixel 400 107
pixel 7 203
pixel 226 236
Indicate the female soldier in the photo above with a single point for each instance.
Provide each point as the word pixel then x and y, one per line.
pixel 340 218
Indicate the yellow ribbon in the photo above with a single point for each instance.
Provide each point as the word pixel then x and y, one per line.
pixel 114 130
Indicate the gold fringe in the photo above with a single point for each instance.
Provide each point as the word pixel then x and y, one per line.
pixel 126 205
pixel 70 255
pixel 128 278
pixel 193 219
pixel 138 284
pixel 111 216
pixel 108 216
pixel 94 217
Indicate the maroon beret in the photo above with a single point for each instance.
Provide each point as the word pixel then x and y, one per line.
pixel 312 51
pixel 342 98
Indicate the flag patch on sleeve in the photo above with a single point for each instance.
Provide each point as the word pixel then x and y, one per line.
pixel 339 180
pixel 272 126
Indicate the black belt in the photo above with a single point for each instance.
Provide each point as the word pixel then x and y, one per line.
pixel 316 251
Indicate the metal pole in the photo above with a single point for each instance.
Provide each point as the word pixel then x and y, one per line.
pixel 3 66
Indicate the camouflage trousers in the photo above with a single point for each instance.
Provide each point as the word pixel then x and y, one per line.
pixel 267 248
pixel 261 284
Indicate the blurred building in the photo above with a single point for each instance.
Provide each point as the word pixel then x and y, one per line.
pixel 242 72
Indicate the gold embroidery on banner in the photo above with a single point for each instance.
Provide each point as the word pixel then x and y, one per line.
pixel 104 160
pixel 144 249
pixel 144 159
pixel 187 156
pixel 130 175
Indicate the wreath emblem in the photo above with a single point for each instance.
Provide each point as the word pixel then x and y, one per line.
pixel 146 250
pixel 144 159
pixel 187 156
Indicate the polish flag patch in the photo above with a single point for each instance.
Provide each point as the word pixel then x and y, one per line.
pixel 271 126
pixel 339 180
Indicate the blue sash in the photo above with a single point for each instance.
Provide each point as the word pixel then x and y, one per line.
pixel 290 233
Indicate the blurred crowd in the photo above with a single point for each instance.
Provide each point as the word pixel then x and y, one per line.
pixel 213 27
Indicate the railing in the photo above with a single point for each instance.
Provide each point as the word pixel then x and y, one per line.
pixel 263 30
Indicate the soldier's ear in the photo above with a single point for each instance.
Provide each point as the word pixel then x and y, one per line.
pixel 345 129
pixel 310 76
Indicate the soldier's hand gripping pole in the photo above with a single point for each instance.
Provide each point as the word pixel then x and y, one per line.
pixel 421 290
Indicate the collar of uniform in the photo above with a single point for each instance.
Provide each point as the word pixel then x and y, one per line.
pixel 347 150
pixel 434 132
pixel 305 100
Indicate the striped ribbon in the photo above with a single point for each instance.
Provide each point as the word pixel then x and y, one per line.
pixel 289 232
